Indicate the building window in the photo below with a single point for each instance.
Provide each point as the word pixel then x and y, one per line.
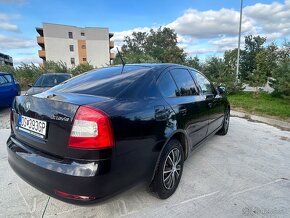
pixel 83 46
pixel 84 59
pixel 82 34
pixel 72 61
pixel 71 48
pixel 70 35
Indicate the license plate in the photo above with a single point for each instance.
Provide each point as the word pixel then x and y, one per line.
pixel 33 126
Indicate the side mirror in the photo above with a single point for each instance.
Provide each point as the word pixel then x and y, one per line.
pixel 221 89
pixel 30 85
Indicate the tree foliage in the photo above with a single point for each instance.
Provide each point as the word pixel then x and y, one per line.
pixel 156 46
pixel 253 45
pixel 28 73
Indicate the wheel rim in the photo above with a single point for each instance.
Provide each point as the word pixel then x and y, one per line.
pixel 227 120
pixel 172 168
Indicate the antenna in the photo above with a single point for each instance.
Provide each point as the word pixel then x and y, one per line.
pixel 123 62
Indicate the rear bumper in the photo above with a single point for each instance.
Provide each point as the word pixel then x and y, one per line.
pixel 91 179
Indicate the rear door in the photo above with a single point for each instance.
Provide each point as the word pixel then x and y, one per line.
pixel 188 105
pixel 214 102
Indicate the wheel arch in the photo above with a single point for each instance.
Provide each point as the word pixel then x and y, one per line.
pixel 179 135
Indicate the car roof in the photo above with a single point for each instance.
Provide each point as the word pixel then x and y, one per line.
pixel 5 73
pixel 54 74
pixel 157 66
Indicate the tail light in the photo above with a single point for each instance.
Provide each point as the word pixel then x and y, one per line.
pixel 91 129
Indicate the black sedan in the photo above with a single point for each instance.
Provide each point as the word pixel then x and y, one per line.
pixel 103 131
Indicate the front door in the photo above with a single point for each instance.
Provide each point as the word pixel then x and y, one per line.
pixel 190 109
pixel 214 102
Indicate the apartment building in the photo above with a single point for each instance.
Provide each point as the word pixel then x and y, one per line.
pixel 6 59
pixel 75 45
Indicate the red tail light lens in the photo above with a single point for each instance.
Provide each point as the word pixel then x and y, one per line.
pixel 91 129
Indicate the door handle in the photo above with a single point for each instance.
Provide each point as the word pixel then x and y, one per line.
pixel 183 111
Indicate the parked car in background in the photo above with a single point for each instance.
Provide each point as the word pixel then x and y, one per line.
pixel 46 81
pixel 9 88
pixel 103 131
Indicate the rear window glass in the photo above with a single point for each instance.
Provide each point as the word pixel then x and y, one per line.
pixel 50 80
pixel 108 82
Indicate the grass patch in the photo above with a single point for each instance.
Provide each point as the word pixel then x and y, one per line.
pixel 264 104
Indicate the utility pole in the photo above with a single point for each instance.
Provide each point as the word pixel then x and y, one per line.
pixel 239 43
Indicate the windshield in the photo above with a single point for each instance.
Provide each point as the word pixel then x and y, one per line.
pixel 108 82
pixel 50 80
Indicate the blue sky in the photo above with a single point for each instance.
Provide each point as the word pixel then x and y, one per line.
pixel 204 27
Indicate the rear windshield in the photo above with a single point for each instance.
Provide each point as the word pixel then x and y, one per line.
pixel 50 80
pixel 108 82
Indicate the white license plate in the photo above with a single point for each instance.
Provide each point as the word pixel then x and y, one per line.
pixel 33 126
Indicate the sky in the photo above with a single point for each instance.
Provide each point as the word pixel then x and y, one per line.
pixel 204 28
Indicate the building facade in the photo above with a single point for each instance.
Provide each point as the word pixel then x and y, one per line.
pixel 6 59
pixel 75 45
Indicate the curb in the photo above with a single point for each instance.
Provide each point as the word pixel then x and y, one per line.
pixel 277 123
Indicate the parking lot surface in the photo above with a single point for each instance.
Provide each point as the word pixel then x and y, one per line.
pixel 243 174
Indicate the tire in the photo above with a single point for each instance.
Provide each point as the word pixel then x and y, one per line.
pixel 169 170
pixel 226 123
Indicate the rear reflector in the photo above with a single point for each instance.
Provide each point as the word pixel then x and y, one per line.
pixel 74 197
pixel 91 129
pixel 11 118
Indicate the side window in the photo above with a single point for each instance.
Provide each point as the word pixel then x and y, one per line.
pixel 167 86
pixel 9 78
pixel 3 80
pixel 204 84
pixel 184 82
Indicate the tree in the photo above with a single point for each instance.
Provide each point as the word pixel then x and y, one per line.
pixel 253 45
pixel 162 45
pixel 281 72
pixel 258 77
pixel 81 68
pixel 156 46
pixel 233 83
pixel 194 63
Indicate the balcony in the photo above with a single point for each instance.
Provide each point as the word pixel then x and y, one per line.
pixel 39 30
pixel 41 53
pixel 112 56
pixel 112 44
pixel 40 40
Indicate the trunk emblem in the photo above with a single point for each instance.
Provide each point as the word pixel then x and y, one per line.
pixel 27 106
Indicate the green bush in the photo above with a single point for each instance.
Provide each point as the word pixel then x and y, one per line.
pixel 28 73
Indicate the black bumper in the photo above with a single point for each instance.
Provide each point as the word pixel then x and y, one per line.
pixel 50 174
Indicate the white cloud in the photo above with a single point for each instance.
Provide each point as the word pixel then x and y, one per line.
pixel 26 60
pixel 273 19
pixel 9 42
pixel 5 22
pixel 210 24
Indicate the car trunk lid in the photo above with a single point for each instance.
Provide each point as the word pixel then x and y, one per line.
pixel 57 110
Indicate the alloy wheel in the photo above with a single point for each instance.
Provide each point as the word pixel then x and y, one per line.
pixel 172 168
